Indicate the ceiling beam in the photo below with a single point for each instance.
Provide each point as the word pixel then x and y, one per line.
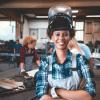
pixel 11 15
pixel 47 4
pixel 1 15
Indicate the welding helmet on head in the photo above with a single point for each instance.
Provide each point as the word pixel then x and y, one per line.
pixel 60 18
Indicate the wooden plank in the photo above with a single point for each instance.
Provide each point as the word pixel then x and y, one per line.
pixel 10 84
pixel 47 4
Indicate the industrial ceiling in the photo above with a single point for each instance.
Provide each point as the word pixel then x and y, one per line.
pixel 14 9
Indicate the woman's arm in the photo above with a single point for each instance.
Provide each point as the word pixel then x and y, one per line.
pixel 73 95
pixel 22 65
pixel 41 79
pixel 48 97
pixel 38 62
pixel 37 58
pixel 86 94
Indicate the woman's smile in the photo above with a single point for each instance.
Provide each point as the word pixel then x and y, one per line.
pixel 61 39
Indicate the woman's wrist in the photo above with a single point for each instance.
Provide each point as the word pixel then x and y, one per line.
pixel 45 97
pixel 53 92
pixel 22 70
pixel 58 90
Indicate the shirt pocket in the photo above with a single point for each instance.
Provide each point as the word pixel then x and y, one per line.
pixel 61 72
pixel 66 72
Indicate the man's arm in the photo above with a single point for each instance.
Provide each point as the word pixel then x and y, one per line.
pixel 91 64
pixel 90 83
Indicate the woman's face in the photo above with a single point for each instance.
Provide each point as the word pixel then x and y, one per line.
pixel 31 45
pixel 60 39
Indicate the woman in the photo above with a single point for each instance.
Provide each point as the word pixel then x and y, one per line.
pixel 28 54
pixel 59 77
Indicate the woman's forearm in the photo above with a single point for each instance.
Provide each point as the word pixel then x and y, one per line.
pixel 22 66
pixel 48 97
pixel 38 62
pixel 45 97
pixel 59 99
pixel 56 99
pixel 73 95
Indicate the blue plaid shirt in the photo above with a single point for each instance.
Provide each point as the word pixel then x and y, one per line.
pixel 61 71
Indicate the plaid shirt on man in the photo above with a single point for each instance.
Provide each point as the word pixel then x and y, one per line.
pixel 61 71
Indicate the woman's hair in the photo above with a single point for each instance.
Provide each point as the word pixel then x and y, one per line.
pixel 28 40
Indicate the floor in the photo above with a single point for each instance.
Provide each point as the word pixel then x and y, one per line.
pixel 5 69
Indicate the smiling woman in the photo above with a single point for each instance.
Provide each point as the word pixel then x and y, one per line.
pixel 7 30
pixel 60 74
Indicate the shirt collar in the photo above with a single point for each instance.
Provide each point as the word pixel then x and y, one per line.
pixel 53 56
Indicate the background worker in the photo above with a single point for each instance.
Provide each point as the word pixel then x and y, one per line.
pixel 28 55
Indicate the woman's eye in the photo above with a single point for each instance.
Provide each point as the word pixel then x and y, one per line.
pixel 61 33
pixel 66 34
pixel 57 34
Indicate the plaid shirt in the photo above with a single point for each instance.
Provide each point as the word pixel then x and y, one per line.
pixel 24 53
pixel 61 71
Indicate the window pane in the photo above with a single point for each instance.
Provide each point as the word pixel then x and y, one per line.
pixel 74 23
pixel 7 30
pixel 79 35
pixel 34 32
pixel 79 25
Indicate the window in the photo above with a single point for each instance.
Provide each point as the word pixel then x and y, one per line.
pixel 34 32
pixel 79 27
pixel 7 30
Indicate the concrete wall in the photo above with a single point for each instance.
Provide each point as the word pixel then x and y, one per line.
pixel 36 28
pixel 39 28
pixel 38 24
pixel 25 28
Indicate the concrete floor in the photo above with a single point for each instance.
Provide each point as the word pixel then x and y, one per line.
pixel 8 71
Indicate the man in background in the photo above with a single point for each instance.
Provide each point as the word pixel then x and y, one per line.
pixel 87 53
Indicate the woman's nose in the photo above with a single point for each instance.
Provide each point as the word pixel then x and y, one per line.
pixel 61 36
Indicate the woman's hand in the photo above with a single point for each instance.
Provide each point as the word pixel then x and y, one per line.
pixel 46 97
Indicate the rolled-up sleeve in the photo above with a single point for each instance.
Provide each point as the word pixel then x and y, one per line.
pixel 22 55
pixel 36 55
pixel 41 80
pixel 90 83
